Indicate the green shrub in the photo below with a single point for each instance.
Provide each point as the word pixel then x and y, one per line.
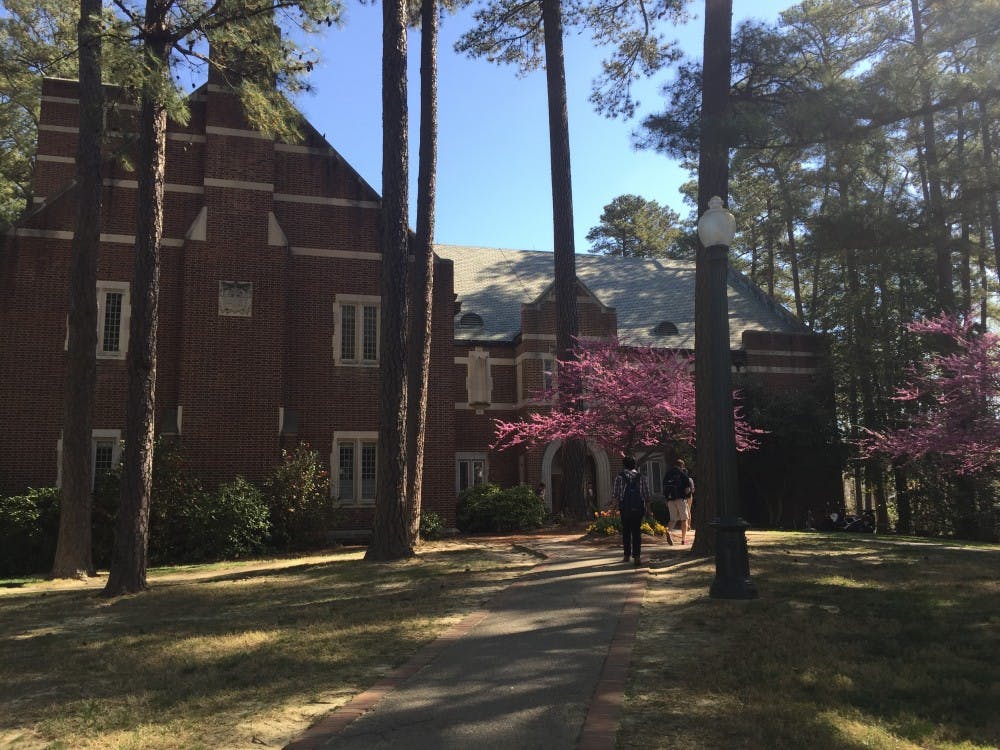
pixel 298 499
pixel 431 525
pixel 486 507
pixel 189 524
pixel 29 528
pixel 104 515
pixel 229 524
pixel 176 509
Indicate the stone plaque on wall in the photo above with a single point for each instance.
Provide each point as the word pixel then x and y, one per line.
pixel 236 298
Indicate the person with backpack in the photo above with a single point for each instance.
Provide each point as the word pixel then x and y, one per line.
pixel 678 486
pixel 632 496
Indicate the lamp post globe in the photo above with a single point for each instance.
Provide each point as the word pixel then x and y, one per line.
pixel 716 226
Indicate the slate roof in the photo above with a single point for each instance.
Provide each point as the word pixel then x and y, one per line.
pixel 493 283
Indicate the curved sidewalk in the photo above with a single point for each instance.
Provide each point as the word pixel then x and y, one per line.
pixel 542 666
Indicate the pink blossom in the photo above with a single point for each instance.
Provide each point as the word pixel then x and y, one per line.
pixel 620 396
pixel 954 397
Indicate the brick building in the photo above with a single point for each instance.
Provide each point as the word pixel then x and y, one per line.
pixel 269 316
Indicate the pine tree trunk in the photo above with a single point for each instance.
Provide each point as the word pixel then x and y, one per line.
pixel 390 535
pixel 992 179
pixel 73 557
pixel 573 454
pixel 793 252
pixel 128 562
pixel 904 510
pixel 423 282
pixel 935 194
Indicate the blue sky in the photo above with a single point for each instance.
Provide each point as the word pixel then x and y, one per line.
pixel 493 157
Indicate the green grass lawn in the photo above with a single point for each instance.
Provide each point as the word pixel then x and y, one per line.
pixel 855 642
pixel 225 656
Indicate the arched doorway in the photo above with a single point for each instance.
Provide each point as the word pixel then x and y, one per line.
pixel 597 475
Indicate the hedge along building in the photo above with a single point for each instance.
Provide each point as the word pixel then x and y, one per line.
pixel 269 317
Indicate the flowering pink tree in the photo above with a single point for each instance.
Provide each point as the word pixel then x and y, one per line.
pixel 956 400
pixel 626 398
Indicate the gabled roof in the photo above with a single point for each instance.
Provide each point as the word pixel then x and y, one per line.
pixel 494 283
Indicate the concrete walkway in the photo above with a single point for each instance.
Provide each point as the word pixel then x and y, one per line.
pixel 542 666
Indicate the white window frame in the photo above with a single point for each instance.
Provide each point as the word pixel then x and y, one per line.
pixel 96 436
pixel 661 462
pixel 470 458
pixel 358 302
pixel 125 289
pixel 357 440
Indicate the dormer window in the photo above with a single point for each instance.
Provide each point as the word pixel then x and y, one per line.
pixel 665 328
pixel 470 320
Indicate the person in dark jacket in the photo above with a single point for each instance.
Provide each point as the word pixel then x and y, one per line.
pixel 624 486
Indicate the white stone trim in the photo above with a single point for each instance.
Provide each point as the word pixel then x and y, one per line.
pixel 320 252
pixel 56 159
pixel 533 355
pixel 59 128
pixel 170 187
pixel 266 187
pixel 60 99
pixel 187 137
pixel 464 406
pixel 296 148
pixel 198 231
pixel 116 239
pixel 275 234
pixel 236 132
pixel 318 200
pixel 602 472
pixel 538 337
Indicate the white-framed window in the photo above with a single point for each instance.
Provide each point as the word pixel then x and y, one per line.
pixel 105 453
pixel 355 466
pixel 356 340
pixel 653 469
pixel 114 310
pixel 470 470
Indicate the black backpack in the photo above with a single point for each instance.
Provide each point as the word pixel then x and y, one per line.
pixel 631 504
pixel 680 485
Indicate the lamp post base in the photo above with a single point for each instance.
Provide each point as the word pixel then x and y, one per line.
pixel 732 563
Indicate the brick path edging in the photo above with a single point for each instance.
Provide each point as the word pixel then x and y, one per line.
pixel 600 728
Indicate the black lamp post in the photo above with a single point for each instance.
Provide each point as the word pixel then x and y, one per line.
pixel 716 229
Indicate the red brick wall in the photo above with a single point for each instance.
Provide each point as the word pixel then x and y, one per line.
pixel 230 374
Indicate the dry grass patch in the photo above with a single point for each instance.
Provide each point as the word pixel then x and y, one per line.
pixel 855 642
pixel 240 655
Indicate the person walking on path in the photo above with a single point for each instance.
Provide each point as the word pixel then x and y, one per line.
pixel 679 487
pixel 632 496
